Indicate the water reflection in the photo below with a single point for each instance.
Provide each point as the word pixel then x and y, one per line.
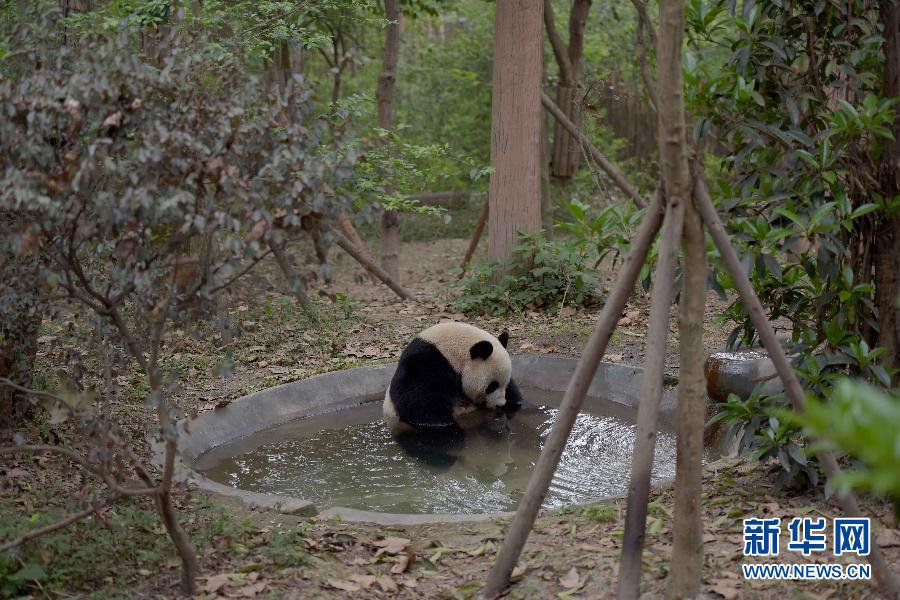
pixel 350 459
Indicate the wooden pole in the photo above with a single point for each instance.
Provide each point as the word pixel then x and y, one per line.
pixel 476 237
pixel 677 186
pixel 794 391
pixel 687 550
pixel 540 480
pixel 373 267
pixel 648 403
pixel 598 157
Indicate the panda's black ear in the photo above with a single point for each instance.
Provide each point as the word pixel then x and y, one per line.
pixel 482 350
pixel 504 338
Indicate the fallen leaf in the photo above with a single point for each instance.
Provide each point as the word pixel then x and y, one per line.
pixel 391 545
pixel 387 584
pixel 113 120
pixel 249 591
pixel 365 581
pixel 214 583
pixel 403 564
pixel 771 508
pixel 347 586
pixel 726 588
pixel 570 579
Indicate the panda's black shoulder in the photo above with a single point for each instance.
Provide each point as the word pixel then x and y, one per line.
pixel 422 354
pixel 425 386
pixel 422 361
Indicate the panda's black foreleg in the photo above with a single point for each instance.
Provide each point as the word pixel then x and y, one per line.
pixel 433 445
pixel 514 399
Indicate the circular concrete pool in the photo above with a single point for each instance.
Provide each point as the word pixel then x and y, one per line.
pixel 318 446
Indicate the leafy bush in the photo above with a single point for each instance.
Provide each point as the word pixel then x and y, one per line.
pixel 852 421
pixel 143 191
pixel 794 97
pixel 540 273
pixel 560 272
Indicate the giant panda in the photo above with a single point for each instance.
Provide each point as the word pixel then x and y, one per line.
pixel 452 378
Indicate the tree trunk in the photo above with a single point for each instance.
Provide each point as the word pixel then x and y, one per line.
pixel 19 324
pixel 390 224
pixel 677 186
pixel 285 74
pixel 515 196
pixel 687 550
pixel 887 239
pixel 547 207
pixel 566 150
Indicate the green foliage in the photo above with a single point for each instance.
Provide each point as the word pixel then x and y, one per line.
pixel 446 91
pixel 792 91
pixel 284 545
pixel 560 272
pixel 393 169
pixel 852 421
pixel 599 513
pixel 540 273
pixel 126 538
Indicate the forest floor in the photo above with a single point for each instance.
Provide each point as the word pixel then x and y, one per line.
pixel 260 553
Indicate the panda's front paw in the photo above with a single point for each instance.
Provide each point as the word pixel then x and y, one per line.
pixel 495 402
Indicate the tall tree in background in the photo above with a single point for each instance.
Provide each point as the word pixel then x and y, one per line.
pixel 566 150
pixel 390 230
pixel 515 193
pixel 887 255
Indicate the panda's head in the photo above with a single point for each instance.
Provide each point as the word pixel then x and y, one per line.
pixel 480 359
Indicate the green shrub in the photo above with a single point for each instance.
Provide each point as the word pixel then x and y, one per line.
pixel 862 422
pixel 560 272
pixel 540 273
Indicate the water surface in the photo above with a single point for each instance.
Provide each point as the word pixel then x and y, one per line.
pixel 348 458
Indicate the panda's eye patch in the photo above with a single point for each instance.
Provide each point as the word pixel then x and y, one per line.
pixel 492 387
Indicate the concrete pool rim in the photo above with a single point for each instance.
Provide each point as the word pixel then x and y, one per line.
pixel 339 390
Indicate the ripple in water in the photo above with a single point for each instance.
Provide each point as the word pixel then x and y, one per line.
pixel 350 459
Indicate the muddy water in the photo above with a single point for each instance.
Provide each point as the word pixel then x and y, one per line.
pixel 349 459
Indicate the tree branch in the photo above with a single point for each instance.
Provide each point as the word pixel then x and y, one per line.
pixel 598 157
pixel 351 249
pixel 82 461
pixel 73 518
pixel 644 16
pixel 649 84
pixel 559 49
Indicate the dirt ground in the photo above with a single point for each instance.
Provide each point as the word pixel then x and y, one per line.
pixel 257 553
